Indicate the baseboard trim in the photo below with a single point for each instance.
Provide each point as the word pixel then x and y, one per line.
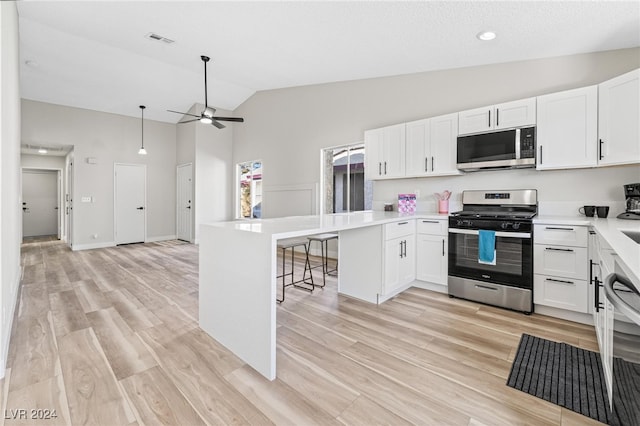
pixel 78 247
pixel 440 288
pixel 161 238
pixel 564 314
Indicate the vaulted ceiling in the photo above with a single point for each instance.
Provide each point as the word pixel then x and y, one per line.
pixel 96 54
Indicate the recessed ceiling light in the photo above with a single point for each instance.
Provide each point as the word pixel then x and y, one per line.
pixel 486 35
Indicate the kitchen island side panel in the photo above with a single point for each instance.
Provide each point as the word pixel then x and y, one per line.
pixel 237 294
pixel 360 266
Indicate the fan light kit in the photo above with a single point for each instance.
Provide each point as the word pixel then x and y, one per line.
pixel 142 151
pixel 486 35
pixel 206 116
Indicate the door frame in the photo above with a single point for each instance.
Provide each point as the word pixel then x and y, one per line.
pixel 59 196
pixel 115 197
pixel 193 202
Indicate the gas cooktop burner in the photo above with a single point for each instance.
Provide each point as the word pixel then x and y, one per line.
pixel 494 214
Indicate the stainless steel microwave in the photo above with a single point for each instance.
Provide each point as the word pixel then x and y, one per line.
pixel 513 148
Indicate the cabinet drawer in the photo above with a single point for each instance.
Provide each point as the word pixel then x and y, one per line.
pixel 566 235
pixel 561 293
pixel 432 227
pixel 399 229
pixel 565 262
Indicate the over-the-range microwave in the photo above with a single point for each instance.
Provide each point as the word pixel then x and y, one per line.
pixel 513 148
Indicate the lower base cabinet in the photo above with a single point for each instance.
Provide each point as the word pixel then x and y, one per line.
pixel 432 257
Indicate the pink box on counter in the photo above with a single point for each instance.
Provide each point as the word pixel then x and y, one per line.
pixel 407 203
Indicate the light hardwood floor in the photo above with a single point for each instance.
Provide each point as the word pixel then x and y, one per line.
pixel 110 337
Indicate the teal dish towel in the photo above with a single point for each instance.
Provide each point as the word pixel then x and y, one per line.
pixel 487 247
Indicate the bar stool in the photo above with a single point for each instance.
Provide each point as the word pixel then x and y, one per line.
pixel 292 243
pixel 324 239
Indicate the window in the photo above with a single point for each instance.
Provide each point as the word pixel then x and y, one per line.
pixel 250 190
pixel 345 186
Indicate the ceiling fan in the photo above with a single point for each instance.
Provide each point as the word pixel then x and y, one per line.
pixel 206 116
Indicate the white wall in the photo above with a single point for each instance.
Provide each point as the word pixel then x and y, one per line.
pixel 10 212
pixel 42 161
pixel 109 138
pixel 287 128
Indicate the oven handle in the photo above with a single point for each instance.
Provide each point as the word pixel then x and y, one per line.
pixel 617 302
pixel 521 235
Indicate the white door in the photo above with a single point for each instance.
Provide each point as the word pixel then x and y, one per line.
pixel 39 202
pixel 69 202
pixel 184 199
pixel 130 203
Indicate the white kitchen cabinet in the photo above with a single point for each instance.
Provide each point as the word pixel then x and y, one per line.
pixel 399 256
pixel 619 119
pixel 506 115
pixel 431 146
pixel 561 267
pixel 567 134
pixel 385 152
pixel 432 251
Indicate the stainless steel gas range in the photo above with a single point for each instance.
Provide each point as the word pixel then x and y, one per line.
pixel 491 248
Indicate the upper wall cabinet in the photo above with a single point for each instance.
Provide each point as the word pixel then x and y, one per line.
pixel 385 152
pixel 431 146
pixel 567 129
pixel 495 117
pixel 619 120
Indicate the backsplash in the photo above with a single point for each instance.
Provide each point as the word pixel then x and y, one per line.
pixel 560 192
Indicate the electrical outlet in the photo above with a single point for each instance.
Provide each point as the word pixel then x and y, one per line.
pixel 417 192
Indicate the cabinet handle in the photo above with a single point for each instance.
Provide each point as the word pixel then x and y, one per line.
pixel 385 167
pixel 426 164
pixel 402 223
pixel 559 281
pixel 600 156
pixel 557 249
pixel 592 232
pixel 432 164
pixel 429 221
pixel 558 229
pixel 400 249
pixel 497 117
pixel 489 118
pixel 590 271
pixel 405 248
pixel 540 154
pixel 379 168
pixel 443 247
pixel 596 298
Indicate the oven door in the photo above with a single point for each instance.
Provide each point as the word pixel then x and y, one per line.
pixel 514 258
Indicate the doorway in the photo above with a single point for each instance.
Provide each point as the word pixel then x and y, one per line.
pixel 41 191
pixel 184 199
pixel 130 203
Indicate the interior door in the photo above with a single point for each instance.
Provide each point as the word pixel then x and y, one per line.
pixel 39 202
pixel 69 202
pixel 184 213
pixel 130 203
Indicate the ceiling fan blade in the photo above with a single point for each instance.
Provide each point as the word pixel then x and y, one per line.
pixel 183 113
pixel 235 119
pixel 218 125
pixel 188 121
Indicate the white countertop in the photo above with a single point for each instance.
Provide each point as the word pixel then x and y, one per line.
pixel 297 226
pixel 628 251
pixel 610 229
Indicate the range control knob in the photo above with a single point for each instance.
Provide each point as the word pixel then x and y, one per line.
pixel 516 225
pixel 504 225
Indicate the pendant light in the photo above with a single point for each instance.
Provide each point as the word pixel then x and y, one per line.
pixel 142 151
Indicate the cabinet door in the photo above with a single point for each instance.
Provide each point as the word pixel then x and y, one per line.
pixel 373 157
pixel 619 119
pixel 417 145
pixel 515 114
pixel 431 258
pixel 393 151
pixel 475 120
pixel 407 270
pixel 393 254
pixel 443 139
pixel 567 129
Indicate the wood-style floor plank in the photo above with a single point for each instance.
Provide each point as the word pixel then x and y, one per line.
pixel 110 336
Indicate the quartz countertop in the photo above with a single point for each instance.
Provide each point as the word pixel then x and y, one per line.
pixel 297 226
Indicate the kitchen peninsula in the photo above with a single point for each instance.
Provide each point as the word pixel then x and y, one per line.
pixel 238 273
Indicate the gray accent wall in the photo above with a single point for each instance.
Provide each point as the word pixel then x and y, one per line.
pixel 288 128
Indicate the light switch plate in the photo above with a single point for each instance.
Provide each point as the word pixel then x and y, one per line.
pixel 86 199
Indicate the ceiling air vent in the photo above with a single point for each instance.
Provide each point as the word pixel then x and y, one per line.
pixel 156 37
